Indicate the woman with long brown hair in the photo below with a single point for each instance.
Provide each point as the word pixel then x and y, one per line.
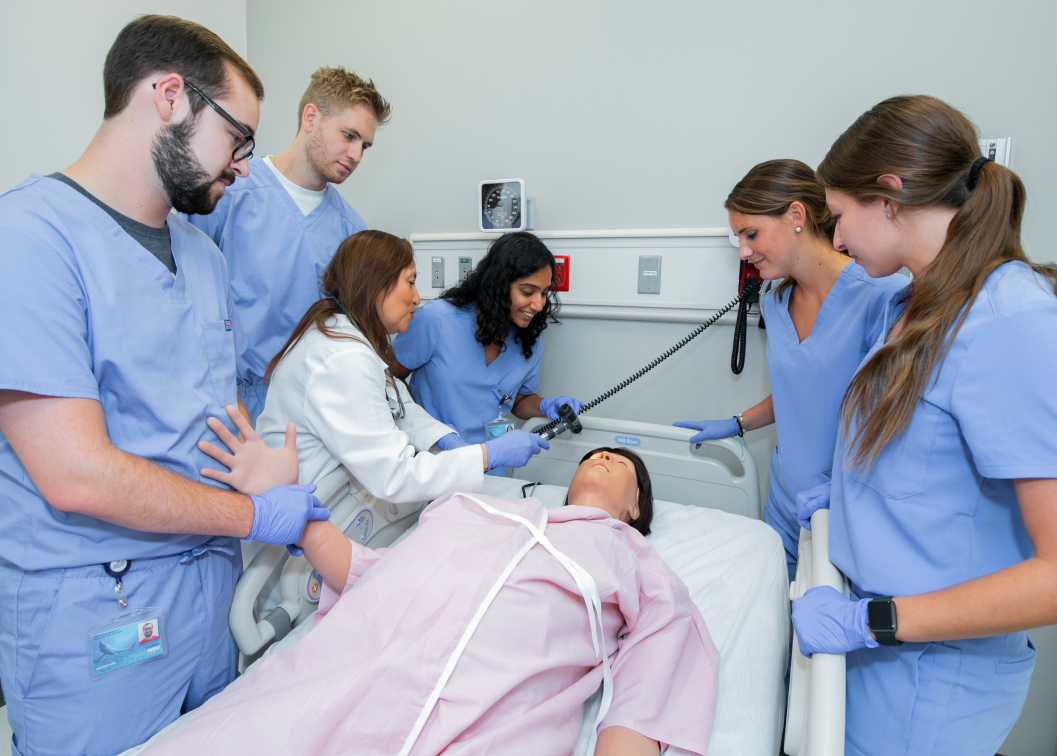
pixel 822 320
pixel 944 490
pixel 334 381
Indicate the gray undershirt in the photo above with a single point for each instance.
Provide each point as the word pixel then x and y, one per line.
pixel 154 240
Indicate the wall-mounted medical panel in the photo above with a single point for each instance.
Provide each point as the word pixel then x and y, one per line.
pixel 700 270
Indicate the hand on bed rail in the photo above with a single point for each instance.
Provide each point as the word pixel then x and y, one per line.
pixel 827 623
pixel 254 468
pixel 810 501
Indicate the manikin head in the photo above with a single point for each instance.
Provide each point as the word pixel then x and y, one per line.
pixel 617 481
pixel 337 118
pixel 157 76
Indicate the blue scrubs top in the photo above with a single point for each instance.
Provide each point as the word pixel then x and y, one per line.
pixel 808 380
pixel 938 508
pixel 275 255
pixel 88 313
pixel 451 380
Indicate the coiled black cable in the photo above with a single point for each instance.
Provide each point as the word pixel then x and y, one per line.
pixel 686 340
pixel 741 324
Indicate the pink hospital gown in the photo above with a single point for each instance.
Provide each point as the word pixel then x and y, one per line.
pixel 358 682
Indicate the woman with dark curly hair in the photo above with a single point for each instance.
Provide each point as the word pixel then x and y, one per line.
pixel 476 351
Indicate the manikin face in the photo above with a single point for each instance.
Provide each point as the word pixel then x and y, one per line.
pixel 528 296
pixel 866 233
pixel 767 242
pixel 607 481
pixel 192 157
pixel 336 145
pixel 397 308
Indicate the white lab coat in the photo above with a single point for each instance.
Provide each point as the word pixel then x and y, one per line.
pixel 334 390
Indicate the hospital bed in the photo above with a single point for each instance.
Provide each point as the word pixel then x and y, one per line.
pixel 707 528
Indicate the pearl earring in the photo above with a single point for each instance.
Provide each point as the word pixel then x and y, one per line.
pixel 798 229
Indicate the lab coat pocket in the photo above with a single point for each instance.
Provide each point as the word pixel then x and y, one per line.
pixel 902 466
pixel 219 343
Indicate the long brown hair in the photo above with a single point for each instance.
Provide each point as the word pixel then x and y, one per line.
pixel 361 273
pixel 931 147
pixel 771 187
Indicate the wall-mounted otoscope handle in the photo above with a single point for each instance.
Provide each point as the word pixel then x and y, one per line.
pixel 567 421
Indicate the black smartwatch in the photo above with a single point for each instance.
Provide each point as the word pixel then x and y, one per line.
pixel 881 619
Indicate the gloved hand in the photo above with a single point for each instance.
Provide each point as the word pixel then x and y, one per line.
pixel 281 513
pixel 710 429
pixel 549 405
pixel 514 449
pixel 827 623
pixel 449 442
pixel 810 501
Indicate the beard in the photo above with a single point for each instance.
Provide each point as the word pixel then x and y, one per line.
pixel 187 185
pixel 319 163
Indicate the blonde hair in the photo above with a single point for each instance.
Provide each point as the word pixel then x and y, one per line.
pixel 932 148
pixel 771 187
pixel 334 89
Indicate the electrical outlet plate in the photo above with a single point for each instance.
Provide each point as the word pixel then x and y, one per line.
pixel 438 272
pixel 649 274
pixel 561 273
pixel 465 266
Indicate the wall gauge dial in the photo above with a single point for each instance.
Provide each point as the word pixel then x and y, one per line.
pixel 502 204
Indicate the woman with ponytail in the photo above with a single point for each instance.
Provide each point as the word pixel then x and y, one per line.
pixel 822 320
pixel 944 493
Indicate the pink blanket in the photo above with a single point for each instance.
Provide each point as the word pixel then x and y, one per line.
pixel 358 681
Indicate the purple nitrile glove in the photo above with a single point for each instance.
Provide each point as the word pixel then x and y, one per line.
pixel 281 513
pixel 710 429
pixel 549 405
pixel 514 449
pixel 451 441
pixel 810 501
pixel 827 623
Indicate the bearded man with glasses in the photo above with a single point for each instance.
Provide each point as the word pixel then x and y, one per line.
pixel 119 339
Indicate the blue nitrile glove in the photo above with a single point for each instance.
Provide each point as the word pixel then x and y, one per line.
pixel 281 513
pixel 449 442
pixel 514 449
pixel 810 501
pixel 710 429
pixel 827 623
pixel 549 405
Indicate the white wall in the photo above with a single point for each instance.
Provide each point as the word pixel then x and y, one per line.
pixel 626 115
pixel 51 71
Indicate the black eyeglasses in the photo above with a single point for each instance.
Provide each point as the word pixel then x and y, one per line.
pixel 244 149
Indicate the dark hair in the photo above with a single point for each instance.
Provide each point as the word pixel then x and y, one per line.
pixel 771 187
pixel 642 476
pixel 167 44
pixel 363 270
pixel 511 256
pixel 932 148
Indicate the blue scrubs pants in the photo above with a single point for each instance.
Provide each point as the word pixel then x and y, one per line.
pixel 955 698
pixel 54 706
pixel 253 396
pixel 787 526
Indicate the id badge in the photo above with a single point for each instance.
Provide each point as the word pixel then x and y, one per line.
pixel 497 428
pixel 126 640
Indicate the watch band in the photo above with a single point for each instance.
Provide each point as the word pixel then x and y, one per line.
pixel 741 424
pixel 882 621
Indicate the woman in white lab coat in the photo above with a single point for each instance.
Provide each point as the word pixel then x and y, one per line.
pixel 333 381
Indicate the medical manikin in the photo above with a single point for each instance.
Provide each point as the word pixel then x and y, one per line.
pixel 485 631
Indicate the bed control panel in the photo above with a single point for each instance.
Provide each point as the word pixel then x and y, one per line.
pixel 361 527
